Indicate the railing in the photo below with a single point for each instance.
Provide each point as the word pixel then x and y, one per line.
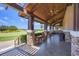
pixel 20 40
pixel 39 38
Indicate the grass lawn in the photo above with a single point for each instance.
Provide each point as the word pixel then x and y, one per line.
pixel 11 35
pixel 39 31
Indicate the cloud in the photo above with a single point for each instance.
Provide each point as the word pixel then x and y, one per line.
pixel 22 20
pixel 37 24
pixel 3 22
pixel 2 8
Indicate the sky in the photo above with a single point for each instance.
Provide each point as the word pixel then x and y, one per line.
pixel 9 17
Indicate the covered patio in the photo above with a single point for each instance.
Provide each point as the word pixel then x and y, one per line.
pixel 54 42
pixel 51 47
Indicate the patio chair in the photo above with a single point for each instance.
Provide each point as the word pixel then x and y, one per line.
pixel 39 39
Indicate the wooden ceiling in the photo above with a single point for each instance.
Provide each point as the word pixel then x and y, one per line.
pixel 47 13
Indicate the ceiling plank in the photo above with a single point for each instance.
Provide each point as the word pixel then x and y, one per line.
pixel 34 8
pixel 42 11
pixel 40 21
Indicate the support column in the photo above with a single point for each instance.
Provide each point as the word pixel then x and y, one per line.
pixel 45 27
pixel 74 34
pixel 76 17
pixel 50 28
pixel 45 30
pixel 30 31
pixel 31 23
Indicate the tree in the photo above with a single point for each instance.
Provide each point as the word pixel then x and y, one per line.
pixel 3 28
pixel 12 27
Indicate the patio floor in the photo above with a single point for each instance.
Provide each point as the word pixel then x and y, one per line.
pixel 51 47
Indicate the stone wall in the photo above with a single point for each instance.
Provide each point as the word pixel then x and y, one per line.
pixel 75 43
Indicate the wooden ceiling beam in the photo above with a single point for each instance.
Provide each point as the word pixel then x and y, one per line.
pixel 69 4
pixel 40 22
pixel 34 19
pixel 40 18
pixel 16 6
pixel 37 17
pixel 22 14
pixel 33 9
pixel 57 20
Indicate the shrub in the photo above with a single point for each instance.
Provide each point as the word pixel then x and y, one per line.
pixel 37 34
pixel 23 38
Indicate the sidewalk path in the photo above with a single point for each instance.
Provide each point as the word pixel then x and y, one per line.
pixel 6 44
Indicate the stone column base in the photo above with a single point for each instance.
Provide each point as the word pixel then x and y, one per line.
pixel 30 37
